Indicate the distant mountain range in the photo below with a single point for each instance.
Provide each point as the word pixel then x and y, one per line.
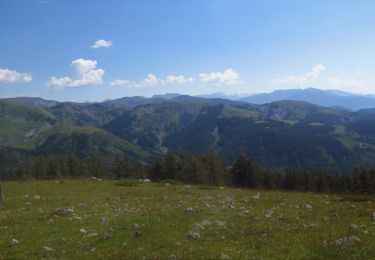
pixel 277 134
pixel 327 98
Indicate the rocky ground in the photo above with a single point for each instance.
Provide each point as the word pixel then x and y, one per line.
pixel 105 219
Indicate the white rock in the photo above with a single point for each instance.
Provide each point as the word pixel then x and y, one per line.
pixel 354 226
pixel 220 223
pixel 205 222
pixel 189 210
pixel 82 230
pixel 269 213
pixel 194 235
pixel 104 221
pixel 46 248
pixel 14 241
pixel 95 179
pixel 36 197
pixel 224 256
pixel 147 181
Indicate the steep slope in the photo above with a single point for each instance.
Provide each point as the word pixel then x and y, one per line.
pixel 281 134
pixel 147 125
pixel 63 129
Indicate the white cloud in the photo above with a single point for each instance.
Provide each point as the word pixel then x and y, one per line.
pixel 152 80
pixel 302 80
pixel 177 80
pixel 227 77
pixel 119 82
pixel 12 76
pixel 85 73
pixel 149 81
pixel 101 44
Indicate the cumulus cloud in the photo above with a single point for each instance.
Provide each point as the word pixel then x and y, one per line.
pixel 119 82
pixel 84 73
pixel 101 44
pixel 302 80
pixel 149 81
pixel 227 77
pixel 12 76
pixel 152 80
pixel 177 79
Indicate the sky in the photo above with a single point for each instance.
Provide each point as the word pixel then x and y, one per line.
pixel 92 50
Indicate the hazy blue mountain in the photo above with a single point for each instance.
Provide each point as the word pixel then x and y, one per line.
pixel 327 98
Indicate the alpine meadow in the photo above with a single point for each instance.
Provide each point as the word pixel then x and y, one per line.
pixel 210 129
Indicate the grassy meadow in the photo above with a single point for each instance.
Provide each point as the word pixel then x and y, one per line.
pixel 132 220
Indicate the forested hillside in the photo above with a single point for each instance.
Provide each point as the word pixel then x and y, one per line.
pixel 277 135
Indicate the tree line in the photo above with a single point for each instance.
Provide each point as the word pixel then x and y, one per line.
pixel 205 169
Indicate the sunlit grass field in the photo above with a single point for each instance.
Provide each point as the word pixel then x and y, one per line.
pixel 107 219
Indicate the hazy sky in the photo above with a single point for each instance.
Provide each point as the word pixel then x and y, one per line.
pixel 94 50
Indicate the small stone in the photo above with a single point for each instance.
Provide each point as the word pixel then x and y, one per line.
pixel 147 181
pixel 104 221
pixel 14 242
pixel 354 238
pixel 82 230
pixel 194 235
pixel 354 226
pixel 313 225
pixel 189 210
pixel 256 196
pixel 269 213
pixel 220 223
pixel 36 197
pixel 48 249
pixel 308 206
pixel 224 256
pixel 205 222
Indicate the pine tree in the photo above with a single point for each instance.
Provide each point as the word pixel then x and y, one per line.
pixel 1 196
pixel 245 172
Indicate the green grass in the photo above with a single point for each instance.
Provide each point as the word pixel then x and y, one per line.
pixel 89 219
pixel 128 183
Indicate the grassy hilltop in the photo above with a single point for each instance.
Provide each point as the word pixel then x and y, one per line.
pixel 128 219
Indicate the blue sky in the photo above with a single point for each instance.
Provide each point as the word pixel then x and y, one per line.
pixel 187 46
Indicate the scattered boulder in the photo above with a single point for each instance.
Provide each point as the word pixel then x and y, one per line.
pixel 146 180
pixel 354 226
pixel 14 242
pixel 347 241
pixel 95 179
pixel 224 256
pixel 256 196
pixel 189 210
pixel 269 213
pixel 36 197
pixel 48 249
pixel 193 235
pixel 104 221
